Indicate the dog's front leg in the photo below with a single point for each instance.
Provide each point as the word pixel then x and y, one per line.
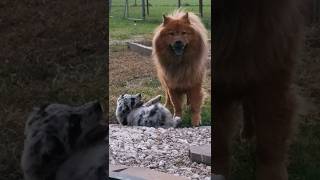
pixel 176 100
pixel 224 124
pixel 195 97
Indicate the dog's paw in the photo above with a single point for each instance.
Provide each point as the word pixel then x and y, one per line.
pixel 177 121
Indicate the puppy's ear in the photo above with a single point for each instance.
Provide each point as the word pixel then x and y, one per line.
pixel 97 106
pixel 42 109
pixel 166 19
pixel 74 129
pixel 185 18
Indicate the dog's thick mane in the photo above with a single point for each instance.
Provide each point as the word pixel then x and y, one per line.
pixel 196 24
pixel 193 65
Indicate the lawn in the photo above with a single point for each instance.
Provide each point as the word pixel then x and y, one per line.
pixel 27 85
pixel 123 29
pixel 53 52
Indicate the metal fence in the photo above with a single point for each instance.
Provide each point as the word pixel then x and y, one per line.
pixel 143 9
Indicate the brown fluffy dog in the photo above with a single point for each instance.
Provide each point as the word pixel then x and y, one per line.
pixel 180 51
pixel 255 45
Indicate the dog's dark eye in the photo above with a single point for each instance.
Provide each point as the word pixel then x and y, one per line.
pixel 171 33
pixel 184 32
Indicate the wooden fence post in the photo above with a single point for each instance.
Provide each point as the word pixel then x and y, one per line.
pixel 316 10
pixel 201 7
pixel 143 9
pixel 148 7
pixel 110 3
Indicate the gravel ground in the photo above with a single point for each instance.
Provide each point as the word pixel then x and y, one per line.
pixel 165 150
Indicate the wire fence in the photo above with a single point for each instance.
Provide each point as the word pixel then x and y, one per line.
pixel 134 8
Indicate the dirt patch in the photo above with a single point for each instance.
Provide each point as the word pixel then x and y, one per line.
pixel 50 51
pixel 129 72
pixel 125 65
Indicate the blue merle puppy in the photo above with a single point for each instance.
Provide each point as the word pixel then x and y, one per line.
pixel 65 142
pixel 132 111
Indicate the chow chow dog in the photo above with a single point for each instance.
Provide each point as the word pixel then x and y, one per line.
pixel 180 53
pixel 255 47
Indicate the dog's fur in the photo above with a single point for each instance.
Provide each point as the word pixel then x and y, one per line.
pixel 181 70
pixel 64 142
pixel 255 46
pixel 132 111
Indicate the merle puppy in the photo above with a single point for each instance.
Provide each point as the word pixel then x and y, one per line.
pixel 64 142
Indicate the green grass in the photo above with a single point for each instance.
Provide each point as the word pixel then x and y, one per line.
pixel 121 28
pixel 51 53
pixel 305 158
pixel 205 115
pixel 149 88
pixel 304 155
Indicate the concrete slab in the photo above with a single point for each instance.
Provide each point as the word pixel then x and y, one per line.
pixel 142 49
pixel 135 173
pixel 201 154
pixel 217 177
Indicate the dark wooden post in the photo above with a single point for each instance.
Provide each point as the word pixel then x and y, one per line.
pixel 126 10
pixel 143 9
pixel 179 3
pixel 148 7
pixel 316 13
pixel 201 7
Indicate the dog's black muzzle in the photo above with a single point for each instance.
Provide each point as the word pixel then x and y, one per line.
pixel 178 48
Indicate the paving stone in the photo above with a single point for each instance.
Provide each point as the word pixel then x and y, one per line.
pixel 135 173
pixel 164 150
pixel 201 154
pixel 217 177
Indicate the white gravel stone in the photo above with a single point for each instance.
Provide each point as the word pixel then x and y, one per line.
pixel 165 150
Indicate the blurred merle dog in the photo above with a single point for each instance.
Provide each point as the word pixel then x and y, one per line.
pixel 64 142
